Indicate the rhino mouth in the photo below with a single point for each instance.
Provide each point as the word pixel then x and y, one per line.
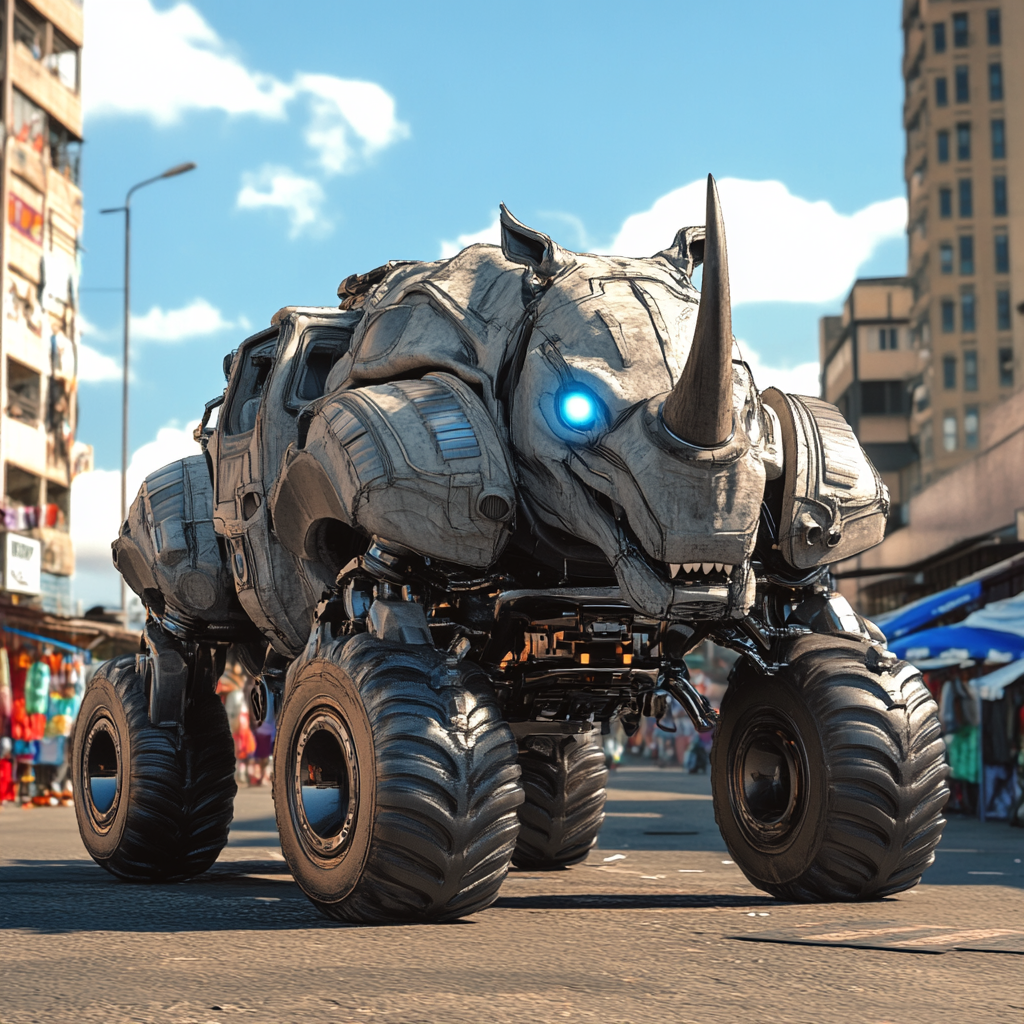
pixel 701 572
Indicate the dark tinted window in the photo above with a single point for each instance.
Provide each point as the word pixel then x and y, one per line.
pixel 949 372
pixel 966 246
pixel 948 316
pixel 999 204
pixel 995 82
pixel 945 202
pixel 939 37
pixel 946 258
pixel 943 147
pixel 965 197
pixel 995 28
pixel 322 347
pixel 960 34
pixel 999 139
pixel 963 88
pixel 967 318
pixel 963 141
pixel 1006 367
pixel 884 398
pixel 251 376
pixel 941 92
pixel 1002 254
pixel 1003 309
pixel 970 370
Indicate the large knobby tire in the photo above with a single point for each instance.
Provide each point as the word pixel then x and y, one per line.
pixel 153 805
pixel 564 779
pixel 395 783
pixel 829 777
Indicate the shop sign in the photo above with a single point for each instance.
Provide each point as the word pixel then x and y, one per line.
pixel 23 560
pixel 24 219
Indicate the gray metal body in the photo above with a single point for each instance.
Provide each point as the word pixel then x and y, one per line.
pixel 414 449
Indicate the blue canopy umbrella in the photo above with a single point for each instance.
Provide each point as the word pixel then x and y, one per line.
pixel 918 614
pixel 953 645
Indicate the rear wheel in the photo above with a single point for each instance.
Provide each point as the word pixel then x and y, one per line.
pixel 564 780
pixel 829 778
pixel 153 805
pixel 395 783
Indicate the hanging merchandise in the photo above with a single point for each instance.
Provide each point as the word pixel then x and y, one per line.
pixel 37 688
pixel 6 697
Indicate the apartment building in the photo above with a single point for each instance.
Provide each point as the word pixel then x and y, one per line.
pixel 39 331
pixel 963 70
pixel 869 369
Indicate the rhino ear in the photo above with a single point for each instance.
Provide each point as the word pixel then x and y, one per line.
pixel 686 253
pixel 531 248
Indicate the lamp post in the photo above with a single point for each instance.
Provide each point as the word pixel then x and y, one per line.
pixel 127 211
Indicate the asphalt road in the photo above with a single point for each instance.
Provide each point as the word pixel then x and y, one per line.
pixel 656 926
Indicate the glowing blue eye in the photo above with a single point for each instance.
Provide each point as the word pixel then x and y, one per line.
pixel 577 409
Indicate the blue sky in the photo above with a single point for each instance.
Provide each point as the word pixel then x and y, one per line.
pixel 579 116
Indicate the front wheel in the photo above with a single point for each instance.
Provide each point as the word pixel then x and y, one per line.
pixel 829 778
pixel 395 784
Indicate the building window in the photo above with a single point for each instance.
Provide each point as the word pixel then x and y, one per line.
pixel 965 197
pixel 939 37
pixel 946 258
pixel 995 82
pixel 963 91
pixel 888 339
pixel 29 29
pixel 24 402
pixel 963 141
pixel 948 316
pixel 30 122
pixel 971 426
pixel 995 29
pixel 1002 254
pixel 943 142
pixel 1006 367
pixel 949 432
pixel 999 204
pixel 884 398
pixel 966 246
pixel 999 139
pixel 1003 309
pixel 927 446
pixel 971 370
pixel 946 201
pixel 62 60
pixel 949 373
pixel 960 35
pixel 967 317
pixel 941 92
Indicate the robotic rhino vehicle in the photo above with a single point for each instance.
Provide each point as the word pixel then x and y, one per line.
pixel 459 526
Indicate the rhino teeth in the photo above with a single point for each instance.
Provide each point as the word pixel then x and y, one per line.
pixel 691 566
pixel 728 569
pixel 673 568
pixel 707 567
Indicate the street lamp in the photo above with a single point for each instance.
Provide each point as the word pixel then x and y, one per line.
pixel 127 211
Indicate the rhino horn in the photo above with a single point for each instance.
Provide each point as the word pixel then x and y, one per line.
pixel 699 408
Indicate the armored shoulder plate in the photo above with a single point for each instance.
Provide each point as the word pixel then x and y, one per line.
pixel 417 463
pixel 835 504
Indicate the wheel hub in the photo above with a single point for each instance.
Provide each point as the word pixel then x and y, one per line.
pixel 101 772
pixel 325 782
pixel 767 781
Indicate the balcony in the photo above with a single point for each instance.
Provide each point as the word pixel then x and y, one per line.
pixel 37 82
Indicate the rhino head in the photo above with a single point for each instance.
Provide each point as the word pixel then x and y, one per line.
pixel 633 426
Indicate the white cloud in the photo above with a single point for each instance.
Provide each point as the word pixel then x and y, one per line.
pixel 351 120
pixel 161 64
pixel 96 511
pixel 194 320
pixel 801 379
pixel 95 367
pixel 782 248
pixel 490 234
pixel 281 187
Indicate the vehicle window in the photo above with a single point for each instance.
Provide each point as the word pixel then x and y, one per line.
pixel 322 347
pixel 254 371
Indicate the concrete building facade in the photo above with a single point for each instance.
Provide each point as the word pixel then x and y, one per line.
pixel 963 70
pixel 39 331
